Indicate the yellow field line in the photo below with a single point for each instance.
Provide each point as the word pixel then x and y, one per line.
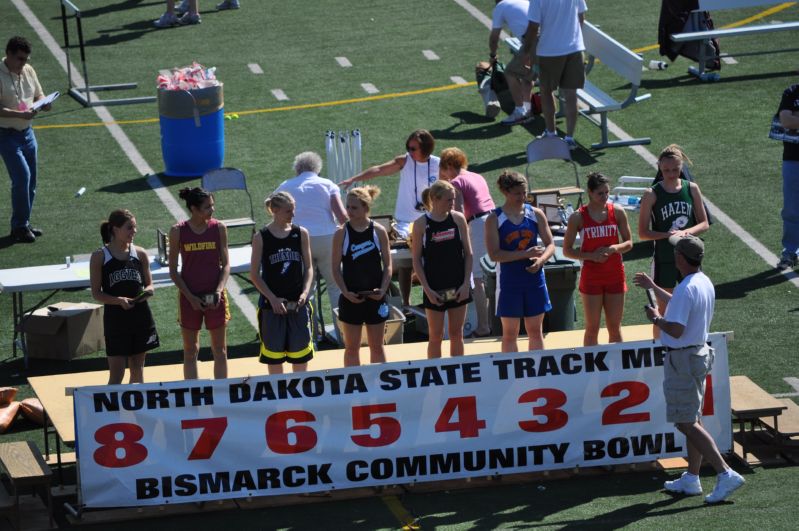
pixel 375 97
pixel 762 14
pixel 398 510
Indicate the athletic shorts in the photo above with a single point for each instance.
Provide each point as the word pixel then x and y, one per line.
pixel 519 67
pixel 665 274
pixel 287 337
pixel 684 373
pixel 132 342
pixel 602 285
pixel 564 71
pixel 426 304
pixel 527 301
pixel 367 312
pixel 191 319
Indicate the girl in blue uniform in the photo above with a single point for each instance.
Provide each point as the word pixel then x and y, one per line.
pixel 442 260
pixel 512 233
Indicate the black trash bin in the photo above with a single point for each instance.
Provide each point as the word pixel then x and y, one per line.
pixel 561 278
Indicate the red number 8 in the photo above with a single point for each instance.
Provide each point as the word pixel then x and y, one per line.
pixel 106 455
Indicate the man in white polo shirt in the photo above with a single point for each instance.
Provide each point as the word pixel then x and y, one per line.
pixel 683 332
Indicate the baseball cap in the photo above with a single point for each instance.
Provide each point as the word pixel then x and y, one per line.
pixel 689 246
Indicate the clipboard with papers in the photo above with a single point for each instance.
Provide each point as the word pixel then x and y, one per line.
pixel 47 100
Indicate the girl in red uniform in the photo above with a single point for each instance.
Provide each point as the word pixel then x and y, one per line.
pixel 201 244
pixel 604 236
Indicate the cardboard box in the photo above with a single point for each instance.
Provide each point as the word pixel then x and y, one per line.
pixel 64 330
pixel 395 326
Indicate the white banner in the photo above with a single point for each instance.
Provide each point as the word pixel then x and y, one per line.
pixel 386 424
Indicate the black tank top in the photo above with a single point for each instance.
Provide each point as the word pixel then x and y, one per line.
pixel 361 261
pixel 123 278
pixel 282 267
pixel 442 254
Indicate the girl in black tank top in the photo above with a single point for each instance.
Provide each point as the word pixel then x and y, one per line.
pixel 282 267
pixel 442 260
pixel 361 261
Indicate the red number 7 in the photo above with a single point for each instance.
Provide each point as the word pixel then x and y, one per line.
pixel 209 438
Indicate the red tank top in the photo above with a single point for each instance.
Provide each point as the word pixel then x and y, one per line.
pixel 594 235
pixel 200 255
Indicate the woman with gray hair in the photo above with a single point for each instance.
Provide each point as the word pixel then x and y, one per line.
pixel 320 211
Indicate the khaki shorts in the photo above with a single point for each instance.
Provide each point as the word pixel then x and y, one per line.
pixel 519 67
pixel 564 71
pixel 684 373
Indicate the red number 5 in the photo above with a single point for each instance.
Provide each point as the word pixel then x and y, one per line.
pixel 389 428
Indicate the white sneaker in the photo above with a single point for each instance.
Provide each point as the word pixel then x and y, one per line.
pixel 492 109
pixel 727 483
pixel 687 484
pixel 167 20
pixel 189 20
pixel 516 117
pixel 182 7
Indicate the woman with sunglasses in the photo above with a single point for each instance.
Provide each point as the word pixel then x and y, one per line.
pixel 418 169
pixel 605 236
pixel 361 261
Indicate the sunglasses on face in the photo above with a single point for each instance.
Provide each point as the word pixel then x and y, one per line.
pixel 412 148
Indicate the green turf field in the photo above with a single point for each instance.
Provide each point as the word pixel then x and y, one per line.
pixel 722 127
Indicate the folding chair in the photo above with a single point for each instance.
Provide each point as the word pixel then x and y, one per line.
pixel 231 179
pixel 549 199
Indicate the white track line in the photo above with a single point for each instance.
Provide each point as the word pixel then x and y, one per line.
pixel 369 88
pixel 279 95
pixel 255 68
pixel 343 62
pixel 728 59
pixel 761 250
pixel 458 80
pixel 430 55
pixel 141 165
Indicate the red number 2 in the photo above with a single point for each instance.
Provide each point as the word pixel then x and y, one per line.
pixel 134 453
pixel 638 392
pixel 213 429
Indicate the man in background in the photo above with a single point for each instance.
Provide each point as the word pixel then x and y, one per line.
pixel 512 14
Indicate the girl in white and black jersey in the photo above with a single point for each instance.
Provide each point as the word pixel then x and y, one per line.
pixel 361 259
pixel 280 268
pixel 121 280
pixel 442 260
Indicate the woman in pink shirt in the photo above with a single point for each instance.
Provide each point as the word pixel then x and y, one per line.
pixel 473 199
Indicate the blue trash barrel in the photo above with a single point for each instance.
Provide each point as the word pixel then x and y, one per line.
pixel 192 130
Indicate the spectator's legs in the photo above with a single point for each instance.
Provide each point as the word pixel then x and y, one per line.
pixel 548 106
pixel 570 97
pixel 320 251
pixel 404 277
pixel 481 308
pixel 19 150
pixel 790 208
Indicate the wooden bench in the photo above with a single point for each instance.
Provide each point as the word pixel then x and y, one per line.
pixel 26 468
pixel 706 35
pixel 625 63
pixel 751 404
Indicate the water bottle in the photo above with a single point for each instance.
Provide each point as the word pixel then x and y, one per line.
pixel 658 65
pixel 569 210
pixel 633 200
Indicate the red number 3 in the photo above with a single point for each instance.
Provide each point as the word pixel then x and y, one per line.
pixel 107 455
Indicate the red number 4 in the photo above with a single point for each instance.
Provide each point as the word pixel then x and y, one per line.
pixel 467 424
